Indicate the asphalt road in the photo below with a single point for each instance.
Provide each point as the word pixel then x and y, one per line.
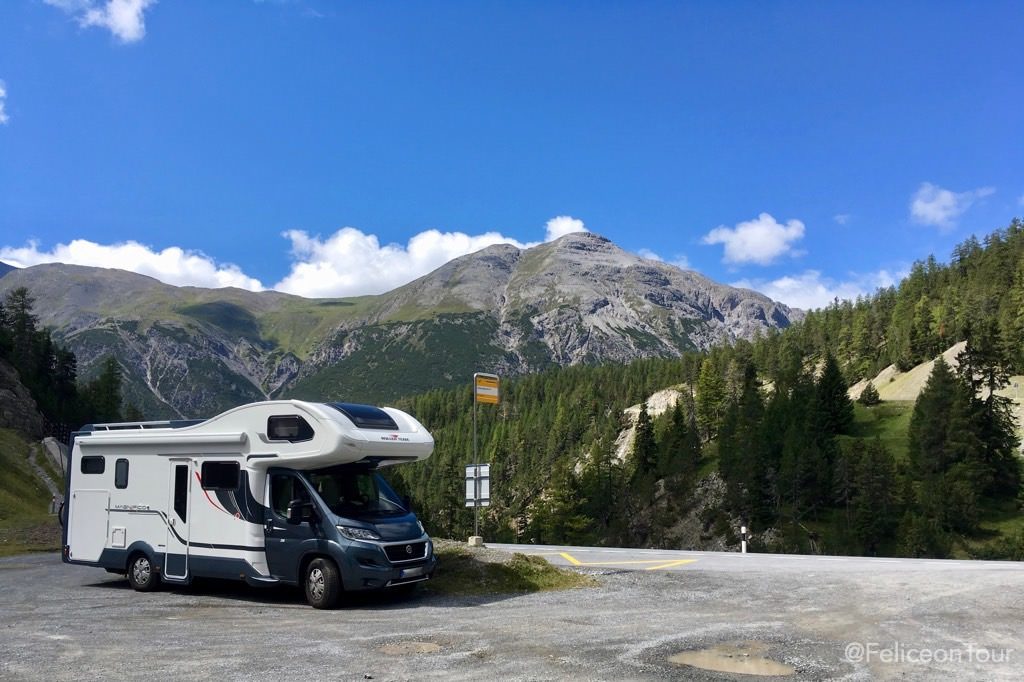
pixel 734 562
pixel 820 617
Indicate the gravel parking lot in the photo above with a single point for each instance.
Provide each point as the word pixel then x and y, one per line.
pixel 68 622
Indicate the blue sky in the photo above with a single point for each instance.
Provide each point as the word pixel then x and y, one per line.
pixel 331 148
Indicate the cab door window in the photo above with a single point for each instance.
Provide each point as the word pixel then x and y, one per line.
pixel 283 489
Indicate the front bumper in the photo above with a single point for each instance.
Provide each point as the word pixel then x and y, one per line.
pixel 365 566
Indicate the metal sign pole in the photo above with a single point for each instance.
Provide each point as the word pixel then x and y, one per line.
pixel 485 390
pixel 476 475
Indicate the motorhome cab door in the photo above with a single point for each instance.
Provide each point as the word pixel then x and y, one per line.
pixel 284 540
pixel 178 516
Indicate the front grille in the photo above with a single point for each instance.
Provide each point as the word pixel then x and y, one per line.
pixel 406 551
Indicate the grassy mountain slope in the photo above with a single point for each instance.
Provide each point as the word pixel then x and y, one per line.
pixel 25 522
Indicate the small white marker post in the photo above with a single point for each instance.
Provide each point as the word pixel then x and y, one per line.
pixel 743 539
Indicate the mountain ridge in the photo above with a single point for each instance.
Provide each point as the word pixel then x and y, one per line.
pixel 188 351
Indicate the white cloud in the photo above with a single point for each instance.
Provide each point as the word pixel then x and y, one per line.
pixel 680 260
pixel 348 263
pixel 810 289
pixel 1021 200
pixel 563 225
pixel 842 218
pixel 172 265
pixel 123 18
pixel 3 100
pixel 760 241
pixel 352 263
pixel 933 205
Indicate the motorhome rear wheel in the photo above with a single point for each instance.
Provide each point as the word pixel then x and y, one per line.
pixel 141 575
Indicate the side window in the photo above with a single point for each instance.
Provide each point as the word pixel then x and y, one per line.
pixel 93 465
pixel 121 473
pixel 220 475
pixel 291 428
pixel 181 491
pixel 283 489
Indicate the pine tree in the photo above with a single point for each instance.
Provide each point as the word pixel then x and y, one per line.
pixel 558 517
pixel 22 324
pixel 869 396
pixel 945 452
pixel 833 403
pixel 712 400
pixel 645 449
pixel 600 484
pixel 875 501
pixel 984 369
pixel 103 394
pixel 672 448
pixel 941 401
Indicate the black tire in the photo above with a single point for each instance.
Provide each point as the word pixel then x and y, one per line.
pixel 142 575
pixel 322 584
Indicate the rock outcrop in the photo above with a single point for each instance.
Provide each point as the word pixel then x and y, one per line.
pixel 17 408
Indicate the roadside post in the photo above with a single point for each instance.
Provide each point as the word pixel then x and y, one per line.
pixel 743 539
pixel 485 390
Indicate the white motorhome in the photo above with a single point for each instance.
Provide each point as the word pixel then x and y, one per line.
pixel 271 492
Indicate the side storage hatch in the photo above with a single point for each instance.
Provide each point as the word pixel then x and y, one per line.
pixel 87 534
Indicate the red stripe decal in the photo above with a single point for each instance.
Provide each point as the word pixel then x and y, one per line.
pixel 210 498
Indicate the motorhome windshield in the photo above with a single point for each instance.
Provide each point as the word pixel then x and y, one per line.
pixel 355 492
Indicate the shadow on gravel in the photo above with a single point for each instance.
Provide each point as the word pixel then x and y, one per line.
pixel 288 596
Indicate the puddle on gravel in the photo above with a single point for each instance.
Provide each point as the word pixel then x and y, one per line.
pixel 407 648
pixel 746 658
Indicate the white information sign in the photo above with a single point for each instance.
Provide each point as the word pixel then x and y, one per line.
pixel 478 485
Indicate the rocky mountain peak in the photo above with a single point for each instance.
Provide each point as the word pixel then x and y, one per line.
pixel 187 351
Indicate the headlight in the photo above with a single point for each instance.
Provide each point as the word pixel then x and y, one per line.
pixel 353 533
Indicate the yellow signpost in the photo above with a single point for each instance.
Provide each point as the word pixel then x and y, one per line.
pixel 485 390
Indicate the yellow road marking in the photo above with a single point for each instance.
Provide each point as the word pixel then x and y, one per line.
pixel 570 558
pixel 671 564
pixel 661 562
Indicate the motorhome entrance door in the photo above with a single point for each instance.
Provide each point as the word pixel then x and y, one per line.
pixel 179 514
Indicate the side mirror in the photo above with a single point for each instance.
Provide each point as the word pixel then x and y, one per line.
pixel 299 511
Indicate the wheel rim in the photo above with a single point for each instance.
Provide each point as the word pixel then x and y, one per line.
pixel 316 583
pixel 141 571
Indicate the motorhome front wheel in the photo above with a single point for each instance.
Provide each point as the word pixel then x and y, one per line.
pixel 323 586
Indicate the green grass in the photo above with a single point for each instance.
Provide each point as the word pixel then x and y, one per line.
pixel 460 571
pixel 887 421
pixel 25 522
pixel 233 319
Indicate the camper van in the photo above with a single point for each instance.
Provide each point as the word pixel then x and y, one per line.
pixel 270 493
